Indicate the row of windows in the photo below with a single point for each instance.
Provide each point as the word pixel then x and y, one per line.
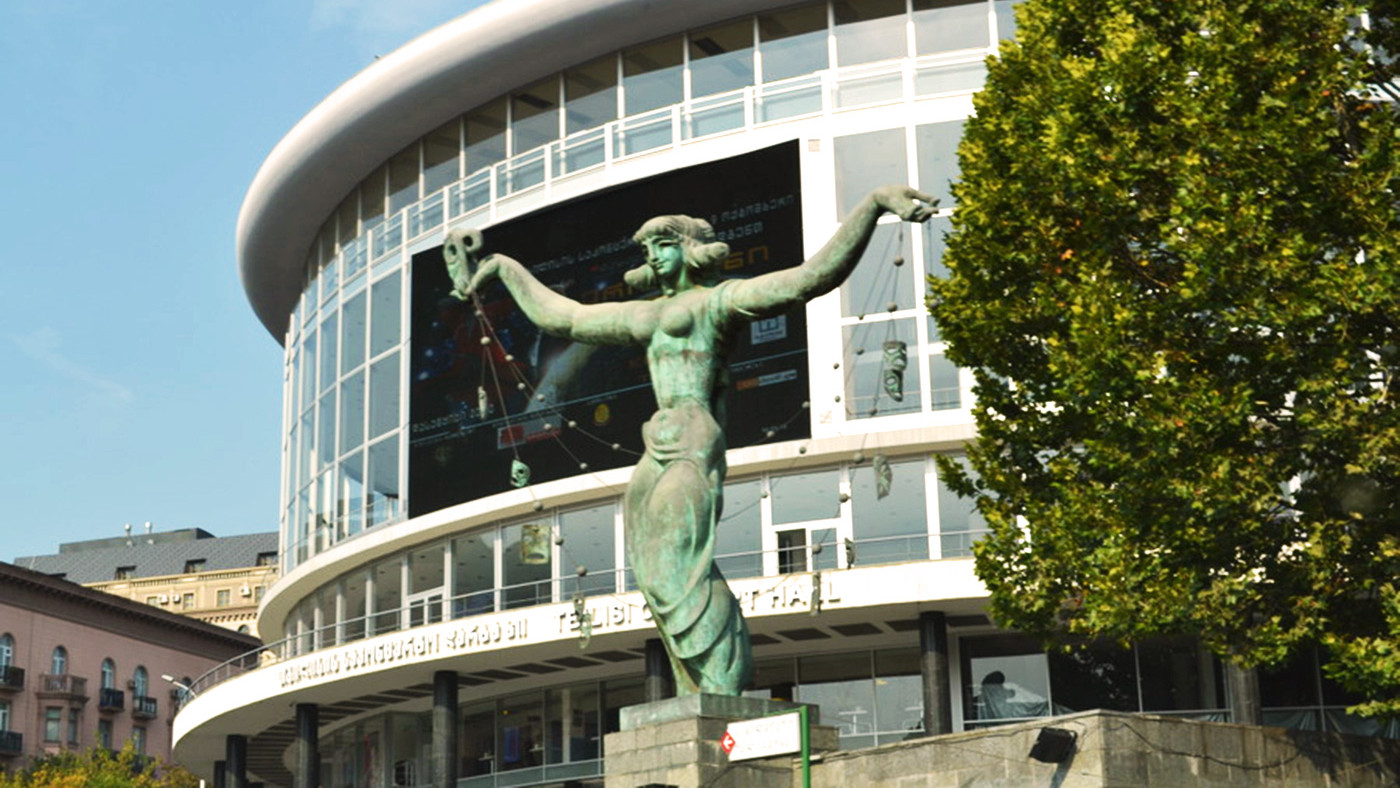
pixel 54 728
pixel 757 50
pixel 831 518
pixel 58 666
pixel 223 597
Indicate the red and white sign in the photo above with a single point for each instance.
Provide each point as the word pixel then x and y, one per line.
pixel 763 737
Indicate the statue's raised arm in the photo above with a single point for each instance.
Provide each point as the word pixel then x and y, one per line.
pixel 554 313
pixel 779 291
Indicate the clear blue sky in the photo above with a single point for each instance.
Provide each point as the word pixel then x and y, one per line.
pixel 137 384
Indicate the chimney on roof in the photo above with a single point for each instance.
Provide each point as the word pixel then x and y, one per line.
pixel 128 534
pixel 149 540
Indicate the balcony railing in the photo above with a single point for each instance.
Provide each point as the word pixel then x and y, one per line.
pixel 11 678
pixel 111 699
pixel 11 743
pixel 143 707
pixel 62 686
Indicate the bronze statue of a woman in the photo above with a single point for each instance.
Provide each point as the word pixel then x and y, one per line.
pixel 675 496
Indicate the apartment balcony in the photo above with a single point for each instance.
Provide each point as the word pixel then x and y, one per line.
pixel 11 678
pixel 64 687
pixel 11 744
pixel 110 699
pixel 143 707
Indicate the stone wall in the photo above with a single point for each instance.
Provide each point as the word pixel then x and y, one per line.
pixel 1117 750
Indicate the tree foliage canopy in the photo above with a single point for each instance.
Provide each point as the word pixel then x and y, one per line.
pixel 99 768
pixel 1174 274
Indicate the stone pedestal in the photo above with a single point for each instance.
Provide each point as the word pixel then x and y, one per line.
pixel 676 742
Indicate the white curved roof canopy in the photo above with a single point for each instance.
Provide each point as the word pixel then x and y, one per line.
pixel 443 73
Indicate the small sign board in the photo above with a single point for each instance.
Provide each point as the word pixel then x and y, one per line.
pixel 766 736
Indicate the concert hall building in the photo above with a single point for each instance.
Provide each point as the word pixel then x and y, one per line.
pixel 433 619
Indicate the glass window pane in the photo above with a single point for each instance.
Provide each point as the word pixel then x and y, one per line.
pixel 1178 675
pixel 442 149
pixel 775 679
pixel 945 389
pixel 355 606
pixel 473 573
pixel 805 496
pixel 842 686
pixel 403 178
pixel 880 380
pixel 525 564
pixel 1004 677
pixel 738 542
pixel 721 58
pixel 521 732
pixel 352 333
pixel 893 528
pixel 937 144
pixel 308 371
pixel 486 135
pixel 943 25
pixel 388 595
pixel 651 76
pixel 574 724
pixel 884 275
pixel 590 94
pixel 899 693
pixel 793 42
pixel 534 118
pixel 351 507
pixel 589 542
pixel 476 742
pixel 1093 677
pixel 959 522
pixel 383 396
pixel 425 568
pixel 867 161
pixel 328 367
pixel 348 218
pixel 325 436
pixel 383 482
pixel 372 199
pixel 385 315
pixel 868 30
pixel 1294 683
pixel 352 417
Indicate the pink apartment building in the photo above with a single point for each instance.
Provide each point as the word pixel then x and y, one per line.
pixel 82 668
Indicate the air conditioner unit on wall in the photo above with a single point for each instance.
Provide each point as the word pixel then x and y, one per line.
pixel 164 598
pixel 245 591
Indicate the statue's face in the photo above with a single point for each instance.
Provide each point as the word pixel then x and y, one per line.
pixel 666 257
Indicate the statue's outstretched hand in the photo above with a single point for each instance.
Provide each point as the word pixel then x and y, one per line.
pixel 489 269
pixel 908 204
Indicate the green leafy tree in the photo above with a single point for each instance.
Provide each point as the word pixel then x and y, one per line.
pixel 99 768
pixel 1174 274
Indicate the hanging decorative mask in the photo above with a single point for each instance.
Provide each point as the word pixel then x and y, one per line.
pixel 895 362
pixel 884 475
pixel 483 406
pixel 534 544
pixel 519 473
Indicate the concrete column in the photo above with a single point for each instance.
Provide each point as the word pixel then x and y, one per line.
pixel 218 774
pixel 308 773
pixel 933 665
pixel 659 684
pixel 236 761
pixel 444 766
pixel 1242 694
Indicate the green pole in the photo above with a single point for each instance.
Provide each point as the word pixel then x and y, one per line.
pixel 806 748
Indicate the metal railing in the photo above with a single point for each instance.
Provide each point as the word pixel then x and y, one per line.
pixel 111 699
pixel 11 677
pixel 62 685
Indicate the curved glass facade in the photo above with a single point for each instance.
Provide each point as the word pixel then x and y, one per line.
pixel 345 441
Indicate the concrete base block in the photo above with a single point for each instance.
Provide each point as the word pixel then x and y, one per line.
pixel 677 742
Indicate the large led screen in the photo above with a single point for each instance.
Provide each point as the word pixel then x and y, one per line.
pixel 564 408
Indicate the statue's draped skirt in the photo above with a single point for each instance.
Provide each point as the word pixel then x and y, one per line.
pixel 672 505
